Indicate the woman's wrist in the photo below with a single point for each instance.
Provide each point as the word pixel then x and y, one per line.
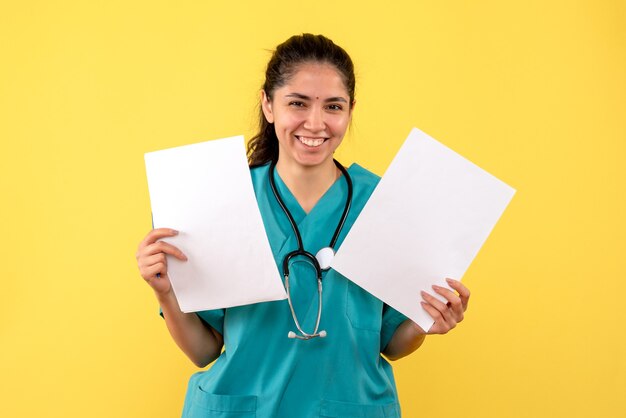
pixel 166 299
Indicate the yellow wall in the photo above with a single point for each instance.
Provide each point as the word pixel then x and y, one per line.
pixel 532 91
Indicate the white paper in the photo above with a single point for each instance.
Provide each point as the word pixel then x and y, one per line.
pixel 205 192
pixel 426 221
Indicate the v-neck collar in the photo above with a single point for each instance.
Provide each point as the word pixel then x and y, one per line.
pixel 294 207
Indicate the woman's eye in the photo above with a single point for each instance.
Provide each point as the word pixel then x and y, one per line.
pixel 335 107
pixel 296 104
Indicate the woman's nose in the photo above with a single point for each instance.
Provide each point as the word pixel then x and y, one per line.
pixel 315 120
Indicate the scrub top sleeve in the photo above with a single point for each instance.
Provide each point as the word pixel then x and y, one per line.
pixel 214 318
pixel 391 321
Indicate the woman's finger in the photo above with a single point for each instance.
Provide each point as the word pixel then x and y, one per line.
pixel 464 292
pixel 442 308
pixel 162 247
pixel 157 234
pixel 441 326
pixel 454 301
pixel 170 249
pixel 153 272
pixel 151 260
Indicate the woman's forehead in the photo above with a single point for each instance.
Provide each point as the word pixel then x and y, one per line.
pixel 315 79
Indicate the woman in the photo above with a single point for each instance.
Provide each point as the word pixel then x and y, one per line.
pixel 307 102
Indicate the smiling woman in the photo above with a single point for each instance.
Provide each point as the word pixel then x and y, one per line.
pixel 310 114
pixel 308 204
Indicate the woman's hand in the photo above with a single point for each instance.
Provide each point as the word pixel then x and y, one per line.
pixel 199 341
pixel 152 261
pixel 446 315
pixel 409 336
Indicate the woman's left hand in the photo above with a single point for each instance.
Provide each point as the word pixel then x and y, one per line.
pixel 409 336
pixel 446 315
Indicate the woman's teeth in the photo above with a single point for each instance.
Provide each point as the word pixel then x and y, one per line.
pixel 311 142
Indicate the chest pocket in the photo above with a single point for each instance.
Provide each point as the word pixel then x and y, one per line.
pixel 209 405
pixel 364 311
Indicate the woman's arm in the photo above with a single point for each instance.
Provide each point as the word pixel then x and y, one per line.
pixel 200 342
pixel 409 336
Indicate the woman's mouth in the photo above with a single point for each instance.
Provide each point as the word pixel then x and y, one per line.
pixel 310 141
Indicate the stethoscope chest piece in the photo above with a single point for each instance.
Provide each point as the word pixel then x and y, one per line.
pixel 325 257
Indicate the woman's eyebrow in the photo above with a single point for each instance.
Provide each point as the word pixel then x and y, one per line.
pixel 305 97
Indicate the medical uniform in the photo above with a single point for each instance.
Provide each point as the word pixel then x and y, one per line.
pixel 261 373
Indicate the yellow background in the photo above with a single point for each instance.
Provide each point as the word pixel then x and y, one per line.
pixel 533 91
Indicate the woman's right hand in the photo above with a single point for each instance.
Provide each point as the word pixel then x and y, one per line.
pixel 152 262
pixel 200 342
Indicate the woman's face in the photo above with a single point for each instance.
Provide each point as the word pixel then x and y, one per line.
pixel 310 113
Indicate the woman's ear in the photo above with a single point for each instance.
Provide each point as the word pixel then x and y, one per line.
pixel 266 106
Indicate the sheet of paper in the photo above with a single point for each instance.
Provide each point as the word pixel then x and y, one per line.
pixel 426 220
pixel 205 192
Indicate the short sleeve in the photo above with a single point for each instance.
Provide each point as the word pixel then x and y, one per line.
pixel 214 318
pixel 391 320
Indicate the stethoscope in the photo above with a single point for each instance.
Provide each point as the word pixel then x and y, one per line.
pixel 321 261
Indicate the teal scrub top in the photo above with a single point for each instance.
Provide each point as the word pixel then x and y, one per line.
pixel 261 373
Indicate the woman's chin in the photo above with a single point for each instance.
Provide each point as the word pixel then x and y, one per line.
pixel 313 160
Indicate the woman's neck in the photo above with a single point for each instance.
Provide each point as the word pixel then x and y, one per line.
pixel 308 184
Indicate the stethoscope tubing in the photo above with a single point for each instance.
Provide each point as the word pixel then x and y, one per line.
pixel 300 251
